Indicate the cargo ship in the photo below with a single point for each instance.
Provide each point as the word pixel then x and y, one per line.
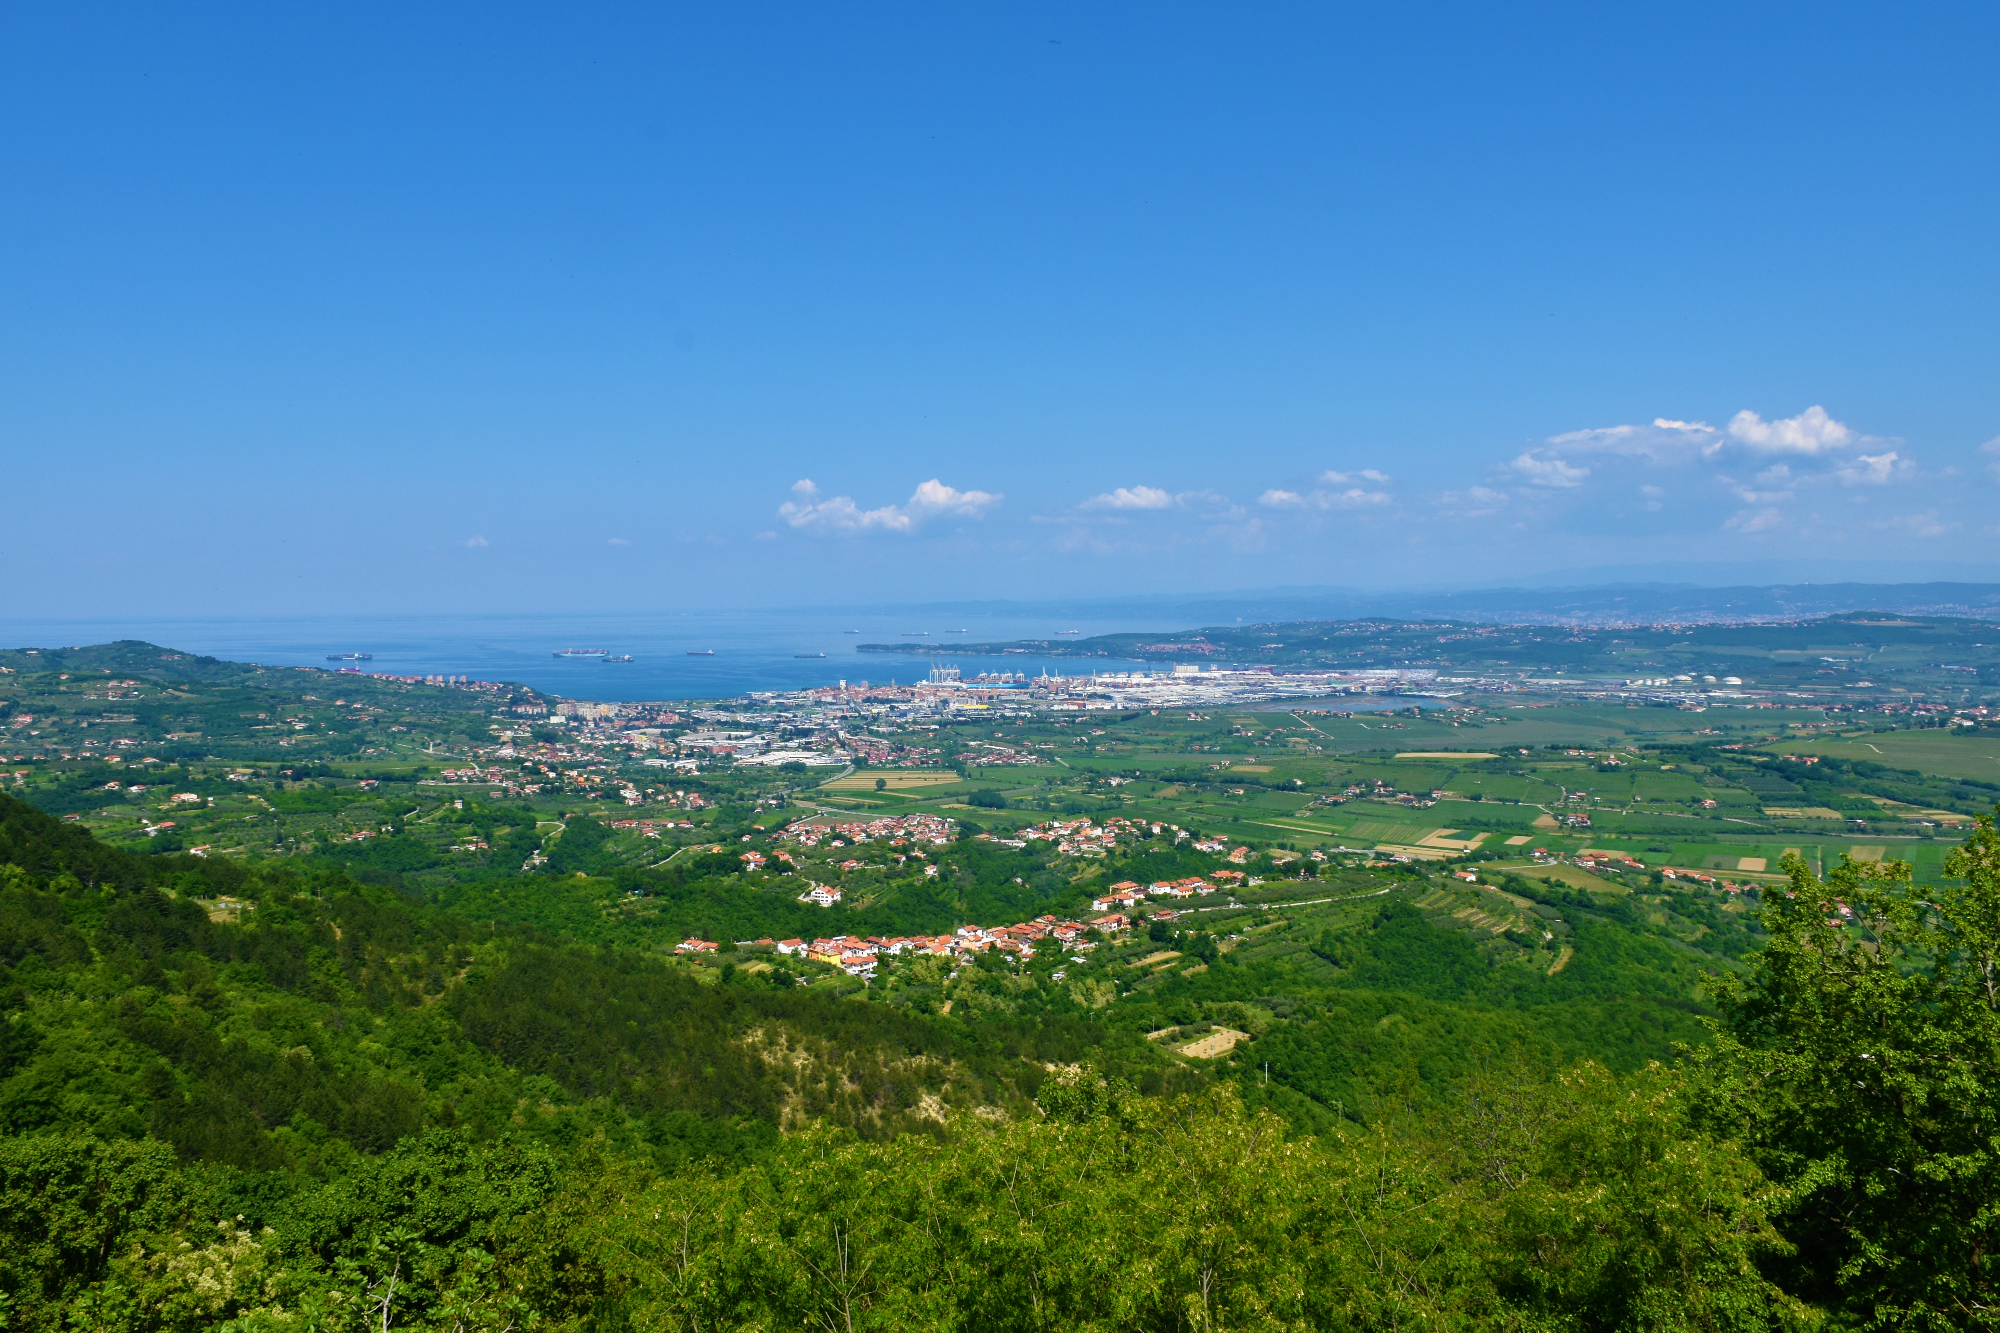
pixel 701 652
pixel 350 657
pixel 583 652
pixel 808 654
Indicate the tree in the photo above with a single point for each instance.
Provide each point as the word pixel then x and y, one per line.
pixel 1860 1060
pixel 70 1206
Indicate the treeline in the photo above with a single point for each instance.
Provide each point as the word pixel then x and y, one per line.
pixel 1827 781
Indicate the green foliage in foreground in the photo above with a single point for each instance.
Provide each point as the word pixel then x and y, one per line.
pixel 1860 1063
pixel 352 1110
pixel 1580 1203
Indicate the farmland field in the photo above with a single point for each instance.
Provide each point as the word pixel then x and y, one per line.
pixel 895 779
pixel 1932 751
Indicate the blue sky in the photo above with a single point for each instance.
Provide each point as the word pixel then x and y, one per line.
pixel 380 308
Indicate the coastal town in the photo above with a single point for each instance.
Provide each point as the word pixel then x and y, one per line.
pixel 877 726
pixel 1367 763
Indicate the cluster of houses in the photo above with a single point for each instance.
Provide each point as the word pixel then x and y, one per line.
pixel 1127 894
pixel 1082 837
pixel 1714 882
pixel 896 830
pixel 1599 860
pixel 997 754
pixel 474 774
pixel 877 753
pixel 1237 855
pixel 1381 791
pixel 651 828
pixel 858 955
pixel 1608 860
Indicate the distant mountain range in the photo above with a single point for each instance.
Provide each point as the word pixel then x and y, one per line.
pixel 1606 604
pixel 1652 603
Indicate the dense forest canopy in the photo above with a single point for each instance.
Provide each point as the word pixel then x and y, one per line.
pixel 348 1105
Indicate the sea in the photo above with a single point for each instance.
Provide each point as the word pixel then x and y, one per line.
pixel 676 656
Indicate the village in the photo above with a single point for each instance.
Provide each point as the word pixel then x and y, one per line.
pixel 859 956
pixel 1115 909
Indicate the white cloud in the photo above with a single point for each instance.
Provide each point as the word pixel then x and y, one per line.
pixel 1132 497
pixel 1873 469
pixel 616 541
pixel 1668 440
pixel 1548 470
pixel 934 497
pixel 1813 448
pixel 1810 432
pixel 1665 441
pixel 1331 478
pixel 477 541
pixel 1752 521
pixel 1354 497
pixel 840 516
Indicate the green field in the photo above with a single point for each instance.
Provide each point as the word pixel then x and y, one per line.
pixel 1936 752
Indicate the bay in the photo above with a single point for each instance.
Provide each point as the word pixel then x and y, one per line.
pixel 739 651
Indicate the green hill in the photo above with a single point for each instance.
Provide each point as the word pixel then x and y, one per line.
pixel 274 1096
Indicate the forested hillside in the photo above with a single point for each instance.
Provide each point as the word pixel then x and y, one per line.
pixel 285 1099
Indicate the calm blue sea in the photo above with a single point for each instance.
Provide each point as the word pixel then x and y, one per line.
pixel 753 650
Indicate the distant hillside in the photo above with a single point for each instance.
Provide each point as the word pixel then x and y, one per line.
pixel 1596 604
pixel 1944 656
